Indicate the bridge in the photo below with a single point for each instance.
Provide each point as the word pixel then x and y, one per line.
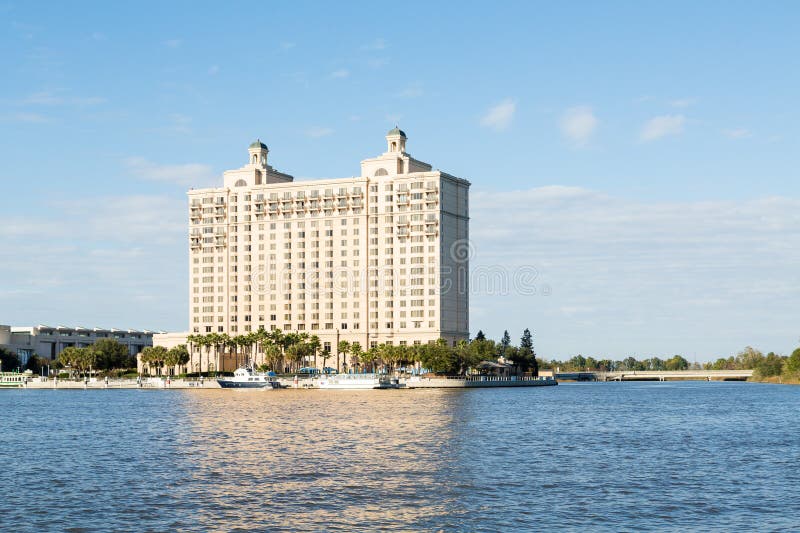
pixel 658 375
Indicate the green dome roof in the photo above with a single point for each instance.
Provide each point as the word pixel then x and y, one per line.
pixel 258 144
pixel 396 131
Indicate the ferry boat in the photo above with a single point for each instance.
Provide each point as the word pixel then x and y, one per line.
pixel 358 381
pixel 246 378
pixel 11 380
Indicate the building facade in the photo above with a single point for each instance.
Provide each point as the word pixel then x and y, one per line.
pixel 49 341
pixel 377 258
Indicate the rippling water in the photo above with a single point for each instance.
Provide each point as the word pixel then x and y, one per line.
pixel 617 456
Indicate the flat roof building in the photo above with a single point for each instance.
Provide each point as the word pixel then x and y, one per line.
pixel 50 341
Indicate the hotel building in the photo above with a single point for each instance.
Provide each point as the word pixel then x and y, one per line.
pixel 377 258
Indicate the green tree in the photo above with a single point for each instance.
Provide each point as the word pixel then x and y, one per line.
pixel 343 348
pixel 34 364
pixel 8 360
pixel 505 342
pixel 177 356
pixel 438 357
pixel 112 354
pixel 273 357
pixel 480 336
pixel 526 356
pixel 153 357
pixel 356 354
pixel 676 362
pixel 793 362
pixel 748 359
pixel 770 365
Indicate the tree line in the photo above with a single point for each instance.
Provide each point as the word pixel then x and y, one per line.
pixel 763 366
pixel 287 352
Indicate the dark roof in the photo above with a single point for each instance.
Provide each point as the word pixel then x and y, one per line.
pixel 258 144
pixel 396 131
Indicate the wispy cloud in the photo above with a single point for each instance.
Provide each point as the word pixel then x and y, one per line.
pixel 43 98
pixel 90 253
pixel 578 124
pixel 340 73
pixel 187 174
pixel 286 45
pixel 737 133
pixel 213 70
pixel 173 43
pixel 683 103
pixel 316 132
pixel 29 118
pixel 662 126
pixel 59 97
pixel 378 62
pixel 414 90
pixel 610 261
pixel 377 44
pixel 499 116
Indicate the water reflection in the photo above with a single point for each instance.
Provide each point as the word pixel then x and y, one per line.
pixel 320 459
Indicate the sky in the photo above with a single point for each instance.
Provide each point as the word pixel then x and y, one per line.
pixel 634 165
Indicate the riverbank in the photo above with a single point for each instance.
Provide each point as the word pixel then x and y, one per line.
pixel 291 382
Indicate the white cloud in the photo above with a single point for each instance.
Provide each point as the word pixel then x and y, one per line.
pixel 213 70
pixel 377 44
pixel 316 132
pixel 30 118
pixel 58 97
pixel 173 43
pixel 378 62
pixel 683 103
pixel 340 73
pixel 578 124
pixel 286 45
pixel 737 133
pixel 412 91
pixel 188 174
pixel 654 277
pixel 661 126
pixel 43 98
pixel 499 116
pixel 109 260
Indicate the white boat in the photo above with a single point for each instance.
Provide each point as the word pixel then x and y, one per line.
pixel 247 378
pixel 358 381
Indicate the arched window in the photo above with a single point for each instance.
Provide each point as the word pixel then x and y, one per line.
pixel 381 172
pixel 394 146
pixel 240 183
pixel 255 159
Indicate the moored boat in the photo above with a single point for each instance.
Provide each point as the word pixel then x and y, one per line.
pixel 247 378
pixel 11 380
pixel 358 381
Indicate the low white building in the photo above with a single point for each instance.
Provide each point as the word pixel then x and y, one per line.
pixel 49 342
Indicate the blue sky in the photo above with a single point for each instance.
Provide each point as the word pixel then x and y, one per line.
pixel 641 157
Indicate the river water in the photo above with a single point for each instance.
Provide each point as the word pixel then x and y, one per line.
pixel 598 456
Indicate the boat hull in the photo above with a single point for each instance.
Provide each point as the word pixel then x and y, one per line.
pixel 228 384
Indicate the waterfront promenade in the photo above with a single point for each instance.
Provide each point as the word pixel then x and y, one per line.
pixel 289 382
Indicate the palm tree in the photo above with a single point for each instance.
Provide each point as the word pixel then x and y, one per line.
pixel 342 348
pixel 355 354
pixel 325 354
pixel 273 355
pixel 190 340
pixel 314 344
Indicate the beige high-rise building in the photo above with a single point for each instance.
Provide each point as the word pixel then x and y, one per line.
pixel 378 258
